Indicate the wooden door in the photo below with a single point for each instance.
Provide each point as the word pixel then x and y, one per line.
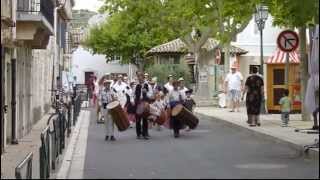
pixel 275 86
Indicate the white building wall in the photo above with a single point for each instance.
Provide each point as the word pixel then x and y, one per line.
pixel 83 61
pixel 249 39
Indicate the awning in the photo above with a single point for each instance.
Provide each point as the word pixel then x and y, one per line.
pixel 279 57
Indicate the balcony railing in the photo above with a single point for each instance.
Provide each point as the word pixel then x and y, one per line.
pixel 37 7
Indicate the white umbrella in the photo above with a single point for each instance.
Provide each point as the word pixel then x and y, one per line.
pixel 313 82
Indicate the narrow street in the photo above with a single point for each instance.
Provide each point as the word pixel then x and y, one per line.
pixel 213 150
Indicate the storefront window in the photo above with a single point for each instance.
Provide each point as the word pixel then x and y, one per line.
pixel 278 76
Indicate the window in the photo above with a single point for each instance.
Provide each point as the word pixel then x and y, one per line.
pixel 251 68
pixel 278 76
pixel 116 58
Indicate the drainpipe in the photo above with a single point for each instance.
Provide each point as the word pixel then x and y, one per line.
pixel 13 100
pixel 14 139
pixel 55 37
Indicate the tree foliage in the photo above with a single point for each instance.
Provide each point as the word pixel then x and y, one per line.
pixel 134 27
pixel 131 30
pixel 294 13
pixel 161 71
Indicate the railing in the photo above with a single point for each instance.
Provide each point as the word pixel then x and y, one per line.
pixel 76 109
pixel 56 127
pixel 55 143
pixel 44 7
pixel 27 162
pixel 44 152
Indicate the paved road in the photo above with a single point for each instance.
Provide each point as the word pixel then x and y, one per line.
pixel 213 150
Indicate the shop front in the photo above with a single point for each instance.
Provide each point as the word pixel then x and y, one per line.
pixel 276 81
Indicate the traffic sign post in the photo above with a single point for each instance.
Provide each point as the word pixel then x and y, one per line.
pixel 288 41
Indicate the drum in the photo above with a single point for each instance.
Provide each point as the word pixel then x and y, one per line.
pixel 167 121
pixel 162 118
pixel 118 115
pixel 185 116
pixel 143 109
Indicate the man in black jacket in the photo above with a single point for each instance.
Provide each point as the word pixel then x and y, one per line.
pixel 142 94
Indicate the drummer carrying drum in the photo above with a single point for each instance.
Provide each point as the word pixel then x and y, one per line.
pixel 175 98
pixel 142 94
pixel 106 97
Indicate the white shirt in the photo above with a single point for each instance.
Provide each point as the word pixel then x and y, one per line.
pixel 105 96
pixel 121 90
pixel 183 92
pixel 234 81
pixel 169 87
pixel 149 93
pixel 119 87
pixel 174 96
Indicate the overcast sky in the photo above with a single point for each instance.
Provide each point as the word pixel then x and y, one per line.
pixel 92 5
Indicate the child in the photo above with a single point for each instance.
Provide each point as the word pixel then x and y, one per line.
pixel 285 104
pixel 107 97
pixel 189 103
pixel 159 104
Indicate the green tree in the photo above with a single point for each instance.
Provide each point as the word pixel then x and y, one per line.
pixel 221 19
pixel 161 71
pixel 132 28
pixel 297 14
pixel 135 26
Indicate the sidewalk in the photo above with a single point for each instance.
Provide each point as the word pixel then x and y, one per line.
pixel 270 126
pixel 14 154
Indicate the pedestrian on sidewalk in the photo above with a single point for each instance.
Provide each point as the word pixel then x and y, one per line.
pixel 106 97
pixel 233 87
pixel 285 105
pixel 254 87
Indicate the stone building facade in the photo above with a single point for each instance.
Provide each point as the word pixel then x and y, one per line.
pixel 28 65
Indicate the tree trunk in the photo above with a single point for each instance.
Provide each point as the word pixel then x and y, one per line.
pixel 304 76
pixel 226 49
pixel 197 70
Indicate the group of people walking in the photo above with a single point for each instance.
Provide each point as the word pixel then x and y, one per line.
pixel 140 96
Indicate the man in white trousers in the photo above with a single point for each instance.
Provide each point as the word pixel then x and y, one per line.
pixel 106 97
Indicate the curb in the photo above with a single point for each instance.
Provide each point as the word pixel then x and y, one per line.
pixel 311 154
pixel 66 161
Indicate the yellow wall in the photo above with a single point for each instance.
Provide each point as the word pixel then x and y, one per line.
pixel 294 82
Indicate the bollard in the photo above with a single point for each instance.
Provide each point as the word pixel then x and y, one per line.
pixel 44 154
pixel 27 161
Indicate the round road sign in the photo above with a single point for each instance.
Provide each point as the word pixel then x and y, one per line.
pixel 288 41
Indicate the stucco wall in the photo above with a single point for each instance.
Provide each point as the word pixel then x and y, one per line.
pixel 83 61
pixel 249 38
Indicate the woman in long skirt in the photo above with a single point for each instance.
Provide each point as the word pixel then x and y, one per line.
pixel 255 92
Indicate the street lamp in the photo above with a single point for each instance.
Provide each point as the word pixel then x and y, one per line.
pixel 260 17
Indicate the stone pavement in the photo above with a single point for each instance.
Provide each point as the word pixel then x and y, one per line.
pixel 14 154
pixel 270 126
